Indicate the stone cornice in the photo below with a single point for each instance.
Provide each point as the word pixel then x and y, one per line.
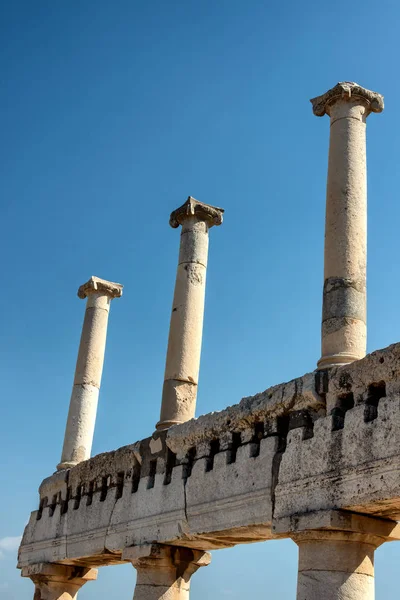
pixel 192 207
pixel 95 285
pixel 346 90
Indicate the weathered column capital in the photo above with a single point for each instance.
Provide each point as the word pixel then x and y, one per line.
pixel 348 91
pixel 193 208
pixel 185 560
pixel 58 582
pixel 339 521
pixel 95 285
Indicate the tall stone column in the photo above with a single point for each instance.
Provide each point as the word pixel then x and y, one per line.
pixel 89 367
pixel 58 582
pixel 336 565
pixel 186 327
pixel 344 296
pixel 164 572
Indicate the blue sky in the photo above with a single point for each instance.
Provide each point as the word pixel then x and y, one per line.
pixel 112 113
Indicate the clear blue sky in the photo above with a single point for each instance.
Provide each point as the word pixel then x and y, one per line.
pixel 112 113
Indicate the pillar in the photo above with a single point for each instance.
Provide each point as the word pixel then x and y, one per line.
pixel 344 331
pixel 164 572
pixel 186 327
pixel 58 582
pixel 336 552
pixel 85 392
pixel 336 565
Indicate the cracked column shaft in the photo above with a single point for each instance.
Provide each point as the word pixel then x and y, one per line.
pixel 336 564
pixel 344 329
pixel 89 367
pixel 58 582
pixel 164 572
pixel 186 327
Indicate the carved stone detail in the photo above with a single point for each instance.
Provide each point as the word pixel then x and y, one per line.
pixel 95 285
pixel 346 90
pixel 192 207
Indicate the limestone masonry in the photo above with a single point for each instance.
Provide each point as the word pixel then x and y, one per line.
pixel 316 459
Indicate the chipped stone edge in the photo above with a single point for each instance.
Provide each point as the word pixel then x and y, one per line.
pixel 314 391
pixel 96 285
pixel 192 207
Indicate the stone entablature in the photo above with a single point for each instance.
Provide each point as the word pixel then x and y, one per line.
pixel 223 478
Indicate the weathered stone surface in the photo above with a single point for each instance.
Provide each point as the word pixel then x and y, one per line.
pixel 346 90
pixel 263 409
pixel 336 566
pixel 58 582
pixel 247 473
pixel 81 419
pixel 164 572
pixel 95 285
pixel 352 460
pixel 336 552
pixel 336 520
pixel 343 332
pixel 193 208
pixel 186 326
pixel 223 478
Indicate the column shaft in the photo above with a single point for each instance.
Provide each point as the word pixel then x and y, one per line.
pixel 344 330
pixel 89 367
pixel 186 327
pixel 160 584
pixel 336 566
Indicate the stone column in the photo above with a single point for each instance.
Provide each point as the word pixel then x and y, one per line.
pixel 186 327
pixel 164 572
pixel 336 552
pixel 58 582
pixel 336 565
pixel 85 392
pixel 344 295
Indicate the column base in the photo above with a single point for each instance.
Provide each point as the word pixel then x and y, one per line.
pixel 337 360
pixel 178 403
pixel 66 465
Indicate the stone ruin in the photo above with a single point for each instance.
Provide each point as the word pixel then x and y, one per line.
pixel 316 460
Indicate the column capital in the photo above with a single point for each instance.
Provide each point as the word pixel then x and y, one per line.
pixel 95 285
pixel 160 555
pixel 319 523
pixel 54 573
pixel 164 572
pixel 58 582
pixel 192 207
pixel 346 90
